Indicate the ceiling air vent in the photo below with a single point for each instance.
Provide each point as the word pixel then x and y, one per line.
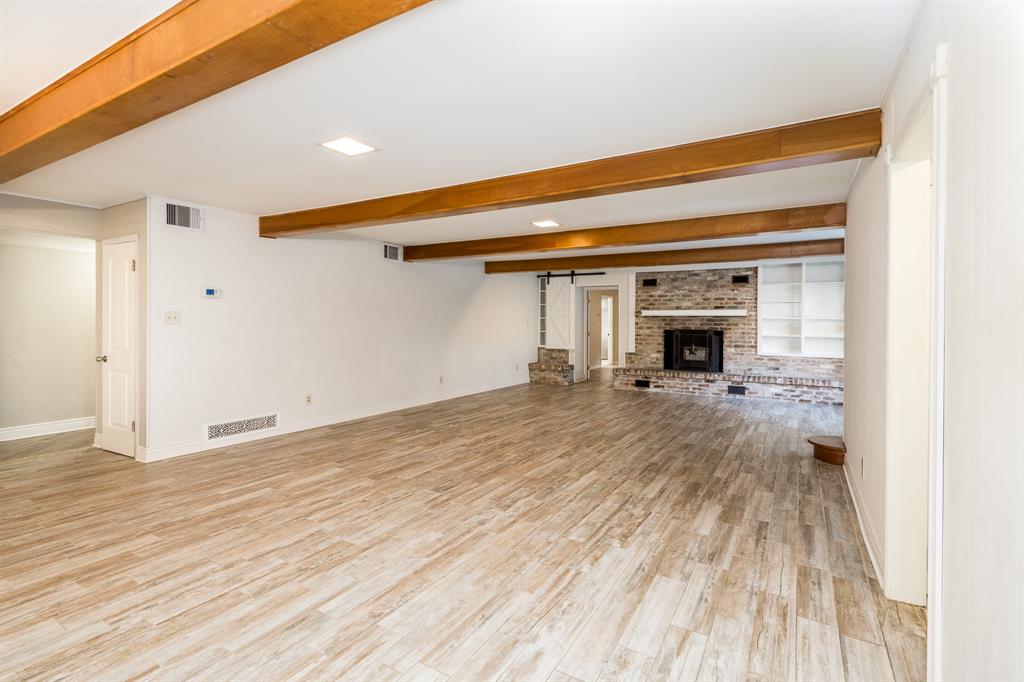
pixel 392 252
pixel 233 428
pixel 184 216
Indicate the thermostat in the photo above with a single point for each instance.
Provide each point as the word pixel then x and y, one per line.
pixel 211 292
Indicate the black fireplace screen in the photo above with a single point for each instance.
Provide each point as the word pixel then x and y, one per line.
pixel 696 350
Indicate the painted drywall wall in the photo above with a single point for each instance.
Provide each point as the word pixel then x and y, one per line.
pixel 47 326
pixel 330 318
pixel 909 399
pixel 122 221
pixel 49 217
pixel 866 333
pixel 983 545
pixel 977 623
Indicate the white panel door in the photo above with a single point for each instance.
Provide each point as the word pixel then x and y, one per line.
pixel 561 306
pixel 117 355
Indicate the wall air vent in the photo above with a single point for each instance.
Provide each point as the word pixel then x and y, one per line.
pixel 233 428
pixel 392 252
pixel 741 279
pixel 184 216
pixel 650 283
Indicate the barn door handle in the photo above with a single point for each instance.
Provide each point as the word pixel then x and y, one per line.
pixel 101 358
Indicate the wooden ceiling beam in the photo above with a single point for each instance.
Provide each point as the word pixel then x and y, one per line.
pixel 192 51
pixel 639 259
pixel 838 138
pixel 663 232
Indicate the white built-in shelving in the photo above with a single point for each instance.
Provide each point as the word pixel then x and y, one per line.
pixel 542 341
pixel 800 308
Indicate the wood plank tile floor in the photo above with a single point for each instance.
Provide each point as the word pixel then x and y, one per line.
pixel 531 533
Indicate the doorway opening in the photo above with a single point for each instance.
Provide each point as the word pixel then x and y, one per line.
pixel 601 338
pixel 916 360
pixel 47 336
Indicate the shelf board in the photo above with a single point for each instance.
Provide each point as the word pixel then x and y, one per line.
pixel 722 312
pixel 779 319
pixel 780 336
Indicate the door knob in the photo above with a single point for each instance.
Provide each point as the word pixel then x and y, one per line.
pixel 101 358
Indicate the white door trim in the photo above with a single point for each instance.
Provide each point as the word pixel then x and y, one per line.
pixel 587 290
pixel 134 360
pixel 940 150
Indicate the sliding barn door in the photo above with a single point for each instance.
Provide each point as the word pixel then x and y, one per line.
pixel 561 309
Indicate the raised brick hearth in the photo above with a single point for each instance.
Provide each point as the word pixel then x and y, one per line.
pixel 552 367
pixel 797 389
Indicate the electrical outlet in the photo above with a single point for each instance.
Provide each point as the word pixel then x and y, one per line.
pixel 172 317
pixel 309 398
pixel 517 368
pixel 440 380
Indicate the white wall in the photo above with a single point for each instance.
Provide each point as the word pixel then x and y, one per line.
pixel 909 401
pixel 983 556
pixel 50 217
pixel 980 620
pixel 47 300
pixel 327 317
pixel 866 350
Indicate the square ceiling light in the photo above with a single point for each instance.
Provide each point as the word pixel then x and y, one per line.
pixel 545 223
pixel 349 146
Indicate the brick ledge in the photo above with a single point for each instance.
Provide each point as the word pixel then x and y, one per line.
pixel 661 373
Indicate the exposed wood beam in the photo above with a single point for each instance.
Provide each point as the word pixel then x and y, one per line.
pixel 638 259
pixel 663 232
pixel 192 51
pixel 838 138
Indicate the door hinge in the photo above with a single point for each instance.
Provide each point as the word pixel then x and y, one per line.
pixel 133 265
pixel 133 426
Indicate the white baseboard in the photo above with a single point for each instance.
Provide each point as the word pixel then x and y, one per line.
pixel 155 454
pixel 866 529
pixel 46 428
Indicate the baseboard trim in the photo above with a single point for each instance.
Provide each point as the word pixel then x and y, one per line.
pixel 47 428
pixel 156 454
pixel 866 529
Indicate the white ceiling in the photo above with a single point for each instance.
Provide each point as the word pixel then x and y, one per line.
pixel 462 90
pixel 41 40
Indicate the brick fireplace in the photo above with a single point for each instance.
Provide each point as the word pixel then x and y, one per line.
pixel 744 371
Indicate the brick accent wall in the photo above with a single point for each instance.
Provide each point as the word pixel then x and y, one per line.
pixel 553 366
pixel 708 289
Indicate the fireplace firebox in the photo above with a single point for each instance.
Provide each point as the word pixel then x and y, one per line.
pixel 698 350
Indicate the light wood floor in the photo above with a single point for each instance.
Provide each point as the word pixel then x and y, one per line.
pixel 533 533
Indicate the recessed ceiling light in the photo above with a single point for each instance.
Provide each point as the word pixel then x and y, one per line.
pixel 349 146
pixel 545 223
